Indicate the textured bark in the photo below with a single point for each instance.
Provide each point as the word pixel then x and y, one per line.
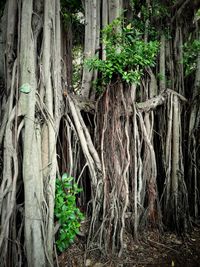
pixel 104 22
pixel 34 95
pixel 31 175
pixel 114 9
pixel 92 34
pixel 10 36
pixel 127 148
pixel 175 154
pixel 162 64
pixel 194 122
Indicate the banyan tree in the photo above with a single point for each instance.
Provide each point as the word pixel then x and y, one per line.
pixel 128 132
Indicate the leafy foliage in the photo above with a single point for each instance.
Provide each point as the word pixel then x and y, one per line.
pixel 66 211
pixel 159 10
pixel 197 15
pixel 191 50
pixel 70 6
pixel 126 53
pixel 72 12
pixel 155 12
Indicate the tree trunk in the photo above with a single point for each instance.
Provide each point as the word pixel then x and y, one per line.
pixel 128 155
pixel 33 122
pixel 91 47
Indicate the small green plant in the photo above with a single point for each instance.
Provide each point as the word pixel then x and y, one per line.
pixel 66 212
pixel 197 15
pixel 126 53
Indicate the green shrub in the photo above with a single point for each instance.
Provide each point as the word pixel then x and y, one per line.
pixel 66 211
pixel 191 50
pixel 126 53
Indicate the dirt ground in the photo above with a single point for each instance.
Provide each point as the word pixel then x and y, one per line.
pixel 151 249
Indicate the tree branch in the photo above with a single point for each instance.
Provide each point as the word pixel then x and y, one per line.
pixel 88 105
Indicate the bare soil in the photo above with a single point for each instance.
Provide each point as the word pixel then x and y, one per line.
pixel 151 249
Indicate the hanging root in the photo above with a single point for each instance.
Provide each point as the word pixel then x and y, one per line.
pixel 113 132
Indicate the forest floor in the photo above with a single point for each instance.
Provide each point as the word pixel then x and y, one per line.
pixel 151 249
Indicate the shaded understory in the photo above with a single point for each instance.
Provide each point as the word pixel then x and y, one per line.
pixel 152 249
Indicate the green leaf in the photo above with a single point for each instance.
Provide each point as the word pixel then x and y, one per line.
pixel 64 176
pixel 25 88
